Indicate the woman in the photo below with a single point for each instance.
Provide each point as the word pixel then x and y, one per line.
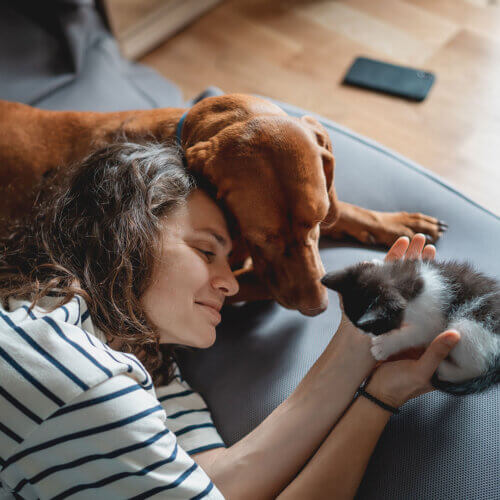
pixel 128 255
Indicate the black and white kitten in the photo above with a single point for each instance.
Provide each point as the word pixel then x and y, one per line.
pixel 415 301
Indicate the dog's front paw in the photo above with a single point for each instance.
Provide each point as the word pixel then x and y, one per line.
pixel 395 224
pixel 378 349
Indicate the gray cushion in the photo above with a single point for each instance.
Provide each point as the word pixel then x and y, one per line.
pixel 59 55
pixel 440 446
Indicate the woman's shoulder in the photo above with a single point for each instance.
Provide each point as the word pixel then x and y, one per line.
pixel 48 358
pixel 51 306
pixel 48 324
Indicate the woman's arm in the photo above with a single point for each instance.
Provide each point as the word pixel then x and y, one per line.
pixel 278 448
pixel 337 468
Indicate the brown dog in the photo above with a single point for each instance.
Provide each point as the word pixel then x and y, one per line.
pixel 272 172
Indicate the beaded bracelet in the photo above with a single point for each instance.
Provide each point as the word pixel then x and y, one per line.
pixel 377 401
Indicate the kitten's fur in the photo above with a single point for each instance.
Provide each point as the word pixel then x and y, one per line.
pixel 420 299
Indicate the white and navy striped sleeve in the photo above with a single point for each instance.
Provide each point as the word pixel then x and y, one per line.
pixel 110 442
pixel 188 416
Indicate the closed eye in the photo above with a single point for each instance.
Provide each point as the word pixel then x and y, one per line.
pixel 208 254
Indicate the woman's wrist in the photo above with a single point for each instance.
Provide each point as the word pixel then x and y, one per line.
pixel 344 364
pixel 363 393
pixel 377 390
pixel 353 345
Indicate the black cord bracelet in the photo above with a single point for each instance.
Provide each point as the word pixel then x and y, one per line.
pixel 377 401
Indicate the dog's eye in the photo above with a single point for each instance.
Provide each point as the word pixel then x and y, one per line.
pixel 271 237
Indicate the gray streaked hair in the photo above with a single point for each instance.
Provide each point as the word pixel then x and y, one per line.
pixel 95 231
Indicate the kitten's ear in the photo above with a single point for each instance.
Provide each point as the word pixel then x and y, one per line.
pixel 335 280
pixel 396 303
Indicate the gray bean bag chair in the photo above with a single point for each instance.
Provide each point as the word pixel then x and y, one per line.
pixel 59 55
pixel 439 446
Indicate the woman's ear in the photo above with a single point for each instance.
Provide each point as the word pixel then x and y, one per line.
pixel 328 161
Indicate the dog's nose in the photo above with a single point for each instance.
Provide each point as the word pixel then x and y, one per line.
pixel 312 311
pixel 316 309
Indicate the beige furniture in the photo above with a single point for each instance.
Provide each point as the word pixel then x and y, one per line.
pixel 140 25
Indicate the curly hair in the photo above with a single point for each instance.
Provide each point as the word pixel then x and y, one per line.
pixel 94 231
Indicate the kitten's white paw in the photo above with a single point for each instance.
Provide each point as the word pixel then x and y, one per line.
pixel 378 350
pixel 450 372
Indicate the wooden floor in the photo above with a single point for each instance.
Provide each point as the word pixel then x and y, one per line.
pixel 298 51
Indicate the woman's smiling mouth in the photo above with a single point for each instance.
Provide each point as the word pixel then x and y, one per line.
pixel 214 313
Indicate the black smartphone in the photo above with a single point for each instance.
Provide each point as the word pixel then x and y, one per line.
pixel 401 81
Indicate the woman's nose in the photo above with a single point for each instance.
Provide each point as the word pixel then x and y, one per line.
pixel 225 281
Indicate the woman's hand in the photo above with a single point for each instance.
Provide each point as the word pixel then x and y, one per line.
pixel 416 249
pixel 396 382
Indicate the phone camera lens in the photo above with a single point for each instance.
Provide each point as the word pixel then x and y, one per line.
pixel 423 74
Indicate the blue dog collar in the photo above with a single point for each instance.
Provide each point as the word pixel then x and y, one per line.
pixel 179 127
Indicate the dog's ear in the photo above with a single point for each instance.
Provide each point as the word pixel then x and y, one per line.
pixel 322 137
pixel 201 159
pixel 210 159
pixel 199 156
pixel 326 151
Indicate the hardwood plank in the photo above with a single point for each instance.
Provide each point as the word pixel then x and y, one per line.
pixel 367 30
pixel 484 19
pixel 418 23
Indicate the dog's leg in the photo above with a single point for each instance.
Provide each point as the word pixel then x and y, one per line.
pixel 372 227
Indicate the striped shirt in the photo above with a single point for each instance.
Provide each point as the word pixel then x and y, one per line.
pixel 80 420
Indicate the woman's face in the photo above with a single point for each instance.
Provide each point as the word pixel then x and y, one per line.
pixel 192 270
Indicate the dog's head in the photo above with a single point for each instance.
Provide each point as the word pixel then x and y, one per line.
pixel 275 174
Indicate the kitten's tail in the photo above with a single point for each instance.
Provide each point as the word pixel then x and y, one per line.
pixel 471 386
